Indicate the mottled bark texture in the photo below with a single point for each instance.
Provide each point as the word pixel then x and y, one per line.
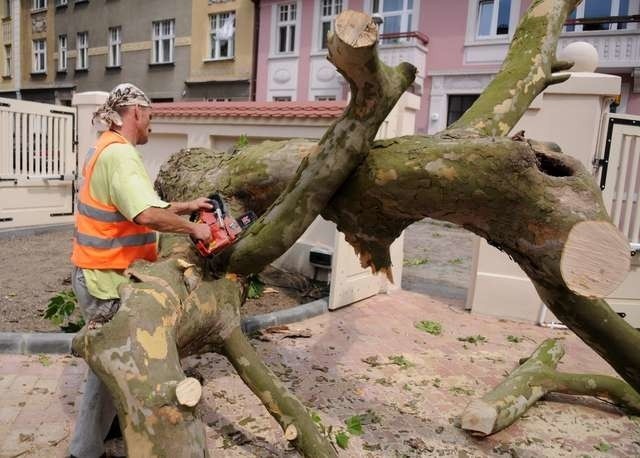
pixel 533 379
pixel 522 196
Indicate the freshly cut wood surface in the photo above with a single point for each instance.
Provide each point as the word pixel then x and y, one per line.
pixel 596 258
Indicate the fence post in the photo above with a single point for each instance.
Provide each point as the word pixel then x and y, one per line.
pixel 86 103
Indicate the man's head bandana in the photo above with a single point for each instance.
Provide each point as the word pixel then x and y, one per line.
pixel 122 95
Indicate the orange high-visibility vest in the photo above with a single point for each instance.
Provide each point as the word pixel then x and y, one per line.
pixel 103 237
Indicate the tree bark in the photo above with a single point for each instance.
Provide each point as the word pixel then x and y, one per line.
pixel 532 380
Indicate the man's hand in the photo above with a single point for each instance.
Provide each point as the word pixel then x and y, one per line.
pixel 201 203
pixel 201 232
pixel 186 208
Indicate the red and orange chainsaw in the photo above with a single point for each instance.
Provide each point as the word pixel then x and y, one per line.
pixel 225 229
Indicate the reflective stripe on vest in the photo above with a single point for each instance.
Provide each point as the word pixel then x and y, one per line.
pixel 104 238
pixel 127 240
pixel 99 214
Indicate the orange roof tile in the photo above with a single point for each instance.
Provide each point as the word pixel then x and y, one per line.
pixel 250 109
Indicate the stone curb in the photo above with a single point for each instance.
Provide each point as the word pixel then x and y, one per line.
pixel 58 342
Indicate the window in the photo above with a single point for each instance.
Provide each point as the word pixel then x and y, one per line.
pixel 493 18
pixel 589 9
pixel 39 64
pixel 62 53
pixel 286 28
pixel 325 98
pixel 458 104
pixel 38 5
pixel 329 9
pixel 163 41
pixel 7 8
pixel 397 15
pixel 115 42
pixel 221 35
pixel 82 47
pixel 61 2
pixel 282 98
pixel 7 61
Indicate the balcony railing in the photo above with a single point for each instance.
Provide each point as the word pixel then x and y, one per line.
pixel 6 31
pixel 404 37
pixel 593 23
pixel 618 47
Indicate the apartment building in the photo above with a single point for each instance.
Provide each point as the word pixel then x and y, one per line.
pixel 9 37
pixel 173 50
pixel 457 46
pixel 464 55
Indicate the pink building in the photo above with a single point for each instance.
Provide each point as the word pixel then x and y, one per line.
pixel 467 41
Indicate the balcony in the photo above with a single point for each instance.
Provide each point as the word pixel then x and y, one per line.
pixel 406 47
pixel 7 31
pixel 617 39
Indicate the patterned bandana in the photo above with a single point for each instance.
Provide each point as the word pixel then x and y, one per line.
pixel 122 95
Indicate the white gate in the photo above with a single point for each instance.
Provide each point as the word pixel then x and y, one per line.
pixel 37 163
pixel 619 177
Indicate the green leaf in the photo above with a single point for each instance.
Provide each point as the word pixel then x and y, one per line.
pixel 515 339
pixel 603 447
pixel 315 417
pixel 415 261
pixel 400 360
pixel 473 339
pixel 255 288
pixel 432 327
pixel 354 425
pixel 342 439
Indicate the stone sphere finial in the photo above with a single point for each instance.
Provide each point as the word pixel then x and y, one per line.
pixel 583 54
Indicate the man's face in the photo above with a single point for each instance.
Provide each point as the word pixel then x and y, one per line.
pixel 143 122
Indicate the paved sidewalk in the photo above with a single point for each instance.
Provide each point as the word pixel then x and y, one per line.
pixel 411 411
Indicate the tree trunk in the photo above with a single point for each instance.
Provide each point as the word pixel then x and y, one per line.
pixel 182 305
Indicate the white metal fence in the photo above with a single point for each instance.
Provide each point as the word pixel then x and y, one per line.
pixel 37 163
pixel 620 174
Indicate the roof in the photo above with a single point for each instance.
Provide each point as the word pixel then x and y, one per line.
pixel 250 109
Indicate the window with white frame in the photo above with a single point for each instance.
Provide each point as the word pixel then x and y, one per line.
pixel 595 9
pixel 39 64
pixel 163 41
pixel 7 70
pixel 282 98
pixel 82 51
pixel 38 4
pixel 329 9
pixel 493 18
pixel 286 28
pixel 222 30
pixel 61 2
pixel 325 98
pixel 114 46
pixel 62 53
pixel 397 15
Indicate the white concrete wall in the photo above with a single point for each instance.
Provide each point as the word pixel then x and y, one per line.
pixel 570 114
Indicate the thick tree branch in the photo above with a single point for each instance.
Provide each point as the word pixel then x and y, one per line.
pixel 288 411
pixel 526 71
pixel 531 381
pixel 375 89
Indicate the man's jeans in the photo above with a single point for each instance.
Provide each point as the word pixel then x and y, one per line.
pixel 97 410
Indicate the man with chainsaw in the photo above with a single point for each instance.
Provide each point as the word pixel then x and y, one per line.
pixel 116 223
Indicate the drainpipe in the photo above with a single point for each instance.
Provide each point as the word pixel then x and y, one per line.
pixel 256 39
pixel 15 46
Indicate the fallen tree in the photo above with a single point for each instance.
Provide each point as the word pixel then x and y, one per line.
pixel 526 198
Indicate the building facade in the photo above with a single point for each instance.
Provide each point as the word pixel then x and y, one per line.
pixel 173 50
pixel 465 55
pixel 457 46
